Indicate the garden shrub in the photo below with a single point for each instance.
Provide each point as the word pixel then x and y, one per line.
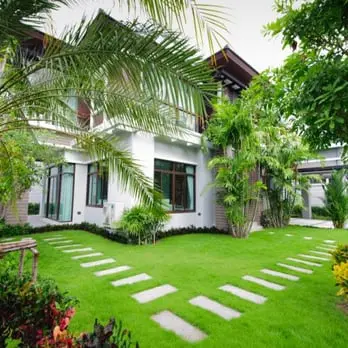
pixel 38 315
pixel 336 198
pixel 114 235
pixel 341 273
pixel 340 269
pixel 143 222
pixel 33 208
pixel 320 211
pixel 29 310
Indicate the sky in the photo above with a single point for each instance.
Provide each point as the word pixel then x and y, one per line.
pixel 245 25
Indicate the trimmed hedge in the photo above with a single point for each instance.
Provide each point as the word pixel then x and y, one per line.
pixel 117 236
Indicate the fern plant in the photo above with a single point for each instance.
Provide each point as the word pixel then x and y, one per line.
pixel 336 198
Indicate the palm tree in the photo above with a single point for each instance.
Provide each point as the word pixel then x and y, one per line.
pixel 135 74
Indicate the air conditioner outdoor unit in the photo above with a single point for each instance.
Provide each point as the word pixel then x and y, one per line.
pixel 112 212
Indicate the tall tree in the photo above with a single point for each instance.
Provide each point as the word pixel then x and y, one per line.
pixel 135 74
pixel 313 82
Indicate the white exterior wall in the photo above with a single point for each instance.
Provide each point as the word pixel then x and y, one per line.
pixel 317 195
pixel 145 148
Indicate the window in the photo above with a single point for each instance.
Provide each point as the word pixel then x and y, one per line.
pixel 60 186
pixel 177 183
pixel 97 185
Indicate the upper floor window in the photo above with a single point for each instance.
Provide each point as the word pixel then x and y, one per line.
pixel 97 185
pixel 178 185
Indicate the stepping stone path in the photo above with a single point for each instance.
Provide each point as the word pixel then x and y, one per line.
pixel 77 250
pixel 55 238
pixel 112 271
pixel 264 283
pixel 324 248
pixel 171 321
pixel 280 274
pixel 297 269
pixel 97 263
pixel 131 280
pixel 180 327
pixel 68 246
pixel 61 242
pixel 328 241
pixel 313 257
pixel 87 255
pixel 305 262
pixel 245 295
pixel 319 253
pixel 154 293
pixel 215 307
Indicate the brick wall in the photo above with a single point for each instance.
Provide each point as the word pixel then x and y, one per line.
pixel 20 214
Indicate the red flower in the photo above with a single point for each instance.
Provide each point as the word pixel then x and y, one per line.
pixel 70 312
pixel 64 323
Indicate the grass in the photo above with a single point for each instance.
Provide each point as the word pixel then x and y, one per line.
pixel 305 314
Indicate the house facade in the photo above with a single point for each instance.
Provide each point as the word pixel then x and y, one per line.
pixel 82 191
pixel 329 160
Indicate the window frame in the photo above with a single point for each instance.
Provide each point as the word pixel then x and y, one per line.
pixel 102 183
pixel 175 173
pixel 59 176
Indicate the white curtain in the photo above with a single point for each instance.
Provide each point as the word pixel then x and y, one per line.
pixel 66 197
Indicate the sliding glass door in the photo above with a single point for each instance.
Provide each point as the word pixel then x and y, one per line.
pixel 60 193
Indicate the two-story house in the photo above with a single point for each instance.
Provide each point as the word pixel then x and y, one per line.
pixel 80 191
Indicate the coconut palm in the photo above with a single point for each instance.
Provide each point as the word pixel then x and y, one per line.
pixel 135 74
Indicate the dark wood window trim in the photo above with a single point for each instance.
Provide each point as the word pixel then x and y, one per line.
pixel 175 174
pixel 103 177
pixel 59 177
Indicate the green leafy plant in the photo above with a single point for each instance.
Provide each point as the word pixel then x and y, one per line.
pixel 143 221
pixel 232 129
pixel 340 269
pixel 33 208
pixel 340 254
pixel 336 198
pixel 28 311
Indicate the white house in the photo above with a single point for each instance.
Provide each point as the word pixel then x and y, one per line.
pixel 80 191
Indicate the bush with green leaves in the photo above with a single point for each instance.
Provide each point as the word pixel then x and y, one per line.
pixel 33 208
pixel 28 310
pixel 144 222
pixel 336 198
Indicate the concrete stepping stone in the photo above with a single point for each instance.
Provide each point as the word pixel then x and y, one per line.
pixel 304 262
pixel 328 241
pixel 154 293
pixel 313 257
pixel 112 271
pixel 169 321
pixel 265 283
pixel 308 238
pixel 68 246
pixel 55 238
pixel 280 274
pixel 215 307
pixel 297 269
pixel 289 235
pixel 131 280
pixel 245 295
pixel 61 242
pixel 87 255
pixel 319 253
pixel 325 248
pixel 97 263
pixel 77 250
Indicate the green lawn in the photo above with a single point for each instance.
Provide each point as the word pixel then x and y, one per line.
pixel 305 314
